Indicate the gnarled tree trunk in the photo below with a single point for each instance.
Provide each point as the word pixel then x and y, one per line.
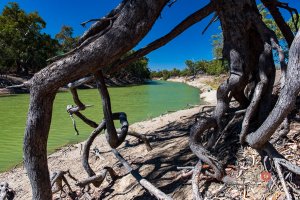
pixel 126 29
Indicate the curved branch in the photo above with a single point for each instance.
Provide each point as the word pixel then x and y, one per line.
pixel 113 138
pixel 96 180
pixel 265 63
pixel 180 28
pixel 138 16
pixel 198 149
pixel 285 102
pixel 87 146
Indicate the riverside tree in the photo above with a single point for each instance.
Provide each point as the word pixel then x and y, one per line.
pixel 248 45
pixel 23 47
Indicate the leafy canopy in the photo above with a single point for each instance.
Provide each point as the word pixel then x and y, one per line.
pixel 23 46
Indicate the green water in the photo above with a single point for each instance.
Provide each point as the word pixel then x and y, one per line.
pixel 139 102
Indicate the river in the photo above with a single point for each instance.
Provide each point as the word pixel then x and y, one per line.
pixel 139 102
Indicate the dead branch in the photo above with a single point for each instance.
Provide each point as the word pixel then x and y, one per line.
pixel 213 19
pixel 97 180
pixel 114 139
pixel 143 138
pixel 143 182
pixel 195 181
pixel 180 28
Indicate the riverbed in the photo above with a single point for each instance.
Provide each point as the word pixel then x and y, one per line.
pixel 139 102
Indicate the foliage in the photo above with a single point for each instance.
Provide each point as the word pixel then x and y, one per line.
pixel 213 67
pixel 216 67
pixel 217 43
pixel 65 38
pixel 291 24
pixel 137 69
pixel 23 46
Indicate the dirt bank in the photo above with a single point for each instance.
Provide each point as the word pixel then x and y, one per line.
pixel 168 135
pixel 11 80
pixel 206 84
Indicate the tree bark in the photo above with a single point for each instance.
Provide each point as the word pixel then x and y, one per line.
pixel 35 142
pixel 282 25
pixel 248 48
pixel 134 21
pixel 285 102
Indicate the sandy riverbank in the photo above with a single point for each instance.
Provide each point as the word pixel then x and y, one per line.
pixel 158 130
pixel 168 135
pixel 207 93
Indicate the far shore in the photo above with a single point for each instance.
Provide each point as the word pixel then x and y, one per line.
pixel 14 80
pixel 207 92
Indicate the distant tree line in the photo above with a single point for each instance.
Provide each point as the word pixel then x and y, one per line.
pixel 25 48
pixel 138 70
pixel 193 68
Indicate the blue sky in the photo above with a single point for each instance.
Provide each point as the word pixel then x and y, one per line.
pixel 189 45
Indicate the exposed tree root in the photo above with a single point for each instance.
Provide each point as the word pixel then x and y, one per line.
pixel 251 83
pixel 204 155
pixel 282 131
pixel 106 102
pixel 247 43
pixel 280 175
pixel 281 165
pixel 114 138
pixel 143 138
pixel 97 180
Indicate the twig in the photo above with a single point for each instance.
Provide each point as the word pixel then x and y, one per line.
pixel 17 86
pixel 143 138
pixel 171 4
pixel 195 180
pixel 88 21
pixel 187 167
pixel 278 169
pixel 213 19
pixel 74 124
